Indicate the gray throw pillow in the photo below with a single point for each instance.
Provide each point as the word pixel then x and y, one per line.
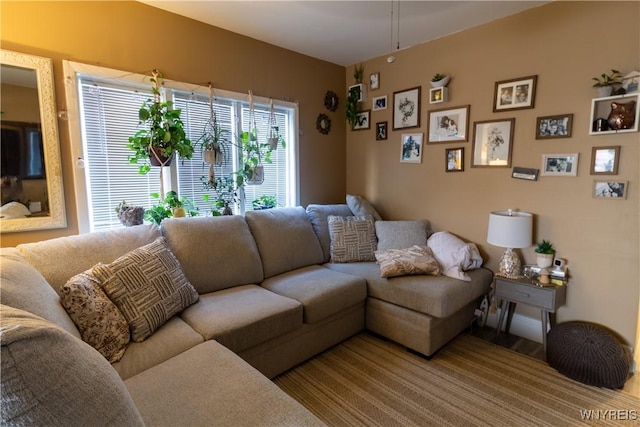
pixel 401 234
pixel 361 207
pixel 148 286
pixel 353 238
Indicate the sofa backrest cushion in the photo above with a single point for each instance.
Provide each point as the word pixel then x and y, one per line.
pixel 23 287
pixel 215 252
pixel 285 239
pixel 52 378
pixel 402 234
pixel 318 216
pixel 62 258
pixel 361 207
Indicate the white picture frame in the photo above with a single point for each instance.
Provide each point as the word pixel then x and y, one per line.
pixel 448 125
pixel 559 164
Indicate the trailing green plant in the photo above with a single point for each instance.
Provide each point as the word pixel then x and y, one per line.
pixel 163 131
pixel 545 247
pixel 264 202
pixel 164 208
pixel 254 154
pixel 225 194
pixel 351 107
pixel 607 79
pixel 275 139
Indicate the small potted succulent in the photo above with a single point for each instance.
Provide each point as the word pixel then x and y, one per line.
pixel 545 254
pixel 605 82
pixel 439 80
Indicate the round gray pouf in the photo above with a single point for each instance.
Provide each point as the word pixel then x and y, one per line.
pixel 588 353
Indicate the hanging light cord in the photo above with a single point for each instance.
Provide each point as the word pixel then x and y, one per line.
pixel 391 35
pixel 398 46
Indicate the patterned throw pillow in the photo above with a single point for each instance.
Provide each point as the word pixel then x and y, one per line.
pixel 99 321
pixel 402 262
pixel 148 286
pixel 353 238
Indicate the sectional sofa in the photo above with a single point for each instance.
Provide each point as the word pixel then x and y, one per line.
pixel 197 315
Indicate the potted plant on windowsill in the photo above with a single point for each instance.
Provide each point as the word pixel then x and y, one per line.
pixel 605 82
pixel 163 134
pixel 170 206
pixel 264 202
pixel 225 192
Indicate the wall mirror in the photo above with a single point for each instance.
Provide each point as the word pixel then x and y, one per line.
pixel 32 194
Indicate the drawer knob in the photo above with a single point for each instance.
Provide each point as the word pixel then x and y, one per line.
pixel 524 294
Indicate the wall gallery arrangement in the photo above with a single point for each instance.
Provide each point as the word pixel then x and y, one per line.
pixel 492 141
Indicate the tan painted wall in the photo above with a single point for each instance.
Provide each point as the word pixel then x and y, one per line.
pixel 137 38
pixel 565 44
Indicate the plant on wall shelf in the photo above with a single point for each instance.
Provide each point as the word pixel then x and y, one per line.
pixel 607 79
pixel 351 107
pixel 358 73
pixel 439 80
pixel 163 134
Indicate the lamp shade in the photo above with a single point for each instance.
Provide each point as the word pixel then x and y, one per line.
pixel 510 229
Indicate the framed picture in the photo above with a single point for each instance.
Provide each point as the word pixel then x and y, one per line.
pixel 406 108
pixel 515 94
pixel 551 127
pixel 604 160
pixel 448 125
pixel 381 131
pixel 380 103
pixel 363 120
pixel 454 159
pixel 411 148
pixel 492 141
pixel 374 81
pixel 438 95
pixel 610 189
pixel 560 164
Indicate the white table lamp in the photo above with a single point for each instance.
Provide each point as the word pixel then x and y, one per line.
pixel 510 229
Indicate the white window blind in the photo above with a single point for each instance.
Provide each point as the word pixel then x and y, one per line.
pixel 108 115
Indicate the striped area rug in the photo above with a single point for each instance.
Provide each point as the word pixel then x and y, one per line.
pixel 366 381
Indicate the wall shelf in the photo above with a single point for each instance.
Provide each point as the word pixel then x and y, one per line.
pixel 601 107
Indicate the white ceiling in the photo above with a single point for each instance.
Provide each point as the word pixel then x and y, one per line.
pixel 343 32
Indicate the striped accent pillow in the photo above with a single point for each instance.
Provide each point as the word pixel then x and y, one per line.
pixel 353 238
pixel 148 286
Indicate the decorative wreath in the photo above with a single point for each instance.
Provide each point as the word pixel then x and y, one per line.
pixel 323 124
pixel 331 101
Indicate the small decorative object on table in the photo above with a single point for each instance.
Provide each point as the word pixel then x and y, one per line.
pixel 544 260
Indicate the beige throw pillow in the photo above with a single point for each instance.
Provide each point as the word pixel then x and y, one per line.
pixel 353 238
pixel 148 286
pixel 99 321
pixel 402 262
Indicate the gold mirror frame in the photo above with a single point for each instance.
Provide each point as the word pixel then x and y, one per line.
pixel 50 142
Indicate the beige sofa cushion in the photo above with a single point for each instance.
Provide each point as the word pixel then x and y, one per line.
pixel 243 316
pixel 23 287
pixel 148 286
pixel 318 216
pixel 222 244
pixel 285 239
pixel 208 385
pixel 169 340
pixel 438 296
pixel 51 378
pixel 62 258
pixel 402 234
pixel 99 321
pixel 321 291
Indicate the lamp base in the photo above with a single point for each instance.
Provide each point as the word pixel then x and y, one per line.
pixel 509 265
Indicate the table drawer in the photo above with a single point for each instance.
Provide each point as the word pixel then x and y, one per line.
pixel 526 294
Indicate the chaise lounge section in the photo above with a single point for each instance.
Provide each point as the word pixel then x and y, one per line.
pixel 267 297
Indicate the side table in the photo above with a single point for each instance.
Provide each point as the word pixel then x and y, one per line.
pixel 522 290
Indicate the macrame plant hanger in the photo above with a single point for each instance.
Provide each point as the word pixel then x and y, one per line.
pixel 157 77
pixel 212 124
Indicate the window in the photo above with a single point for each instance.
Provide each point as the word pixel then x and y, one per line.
pixel 107 114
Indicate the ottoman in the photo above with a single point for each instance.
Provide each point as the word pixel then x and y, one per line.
pixel 589 354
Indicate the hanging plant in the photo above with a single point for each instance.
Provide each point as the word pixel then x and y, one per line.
pixel 213 142
pixel 163 134
pixel 274 138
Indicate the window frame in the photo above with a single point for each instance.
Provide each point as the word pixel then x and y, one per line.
pixel 72 70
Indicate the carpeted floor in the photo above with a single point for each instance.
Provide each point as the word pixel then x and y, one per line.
pixel 367 381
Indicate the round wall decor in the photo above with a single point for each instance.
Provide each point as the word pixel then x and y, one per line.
pixel 323 124
pixel 331 101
